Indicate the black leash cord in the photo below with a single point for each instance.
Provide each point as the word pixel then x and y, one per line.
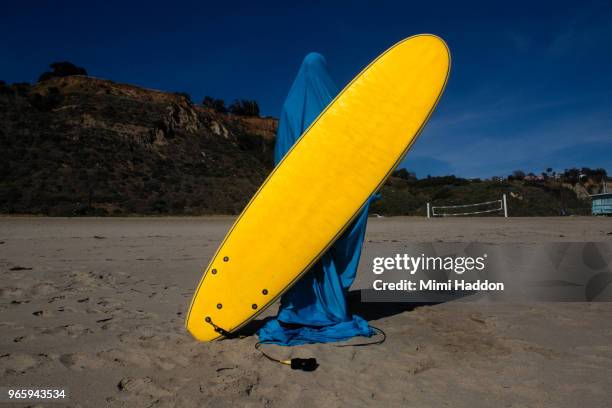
pixel 269 357
pixel 370 343
pixel 310 364
pixel 220 330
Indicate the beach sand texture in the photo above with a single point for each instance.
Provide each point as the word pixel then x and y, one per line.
pixel 98 305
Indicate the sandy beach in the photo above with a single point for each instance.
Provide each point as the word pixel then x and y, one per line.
pixel 97 305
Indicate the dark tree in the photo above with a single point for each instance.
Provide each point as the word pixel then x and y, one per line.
pixel 518 175
pixel 244 107
pixel 215 104
pixel 571 176
pixel 405 174
pixel 62 69
pixel 5 89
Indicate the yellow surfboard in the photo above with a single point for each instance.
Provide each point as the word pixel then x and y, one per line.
pixel 314 193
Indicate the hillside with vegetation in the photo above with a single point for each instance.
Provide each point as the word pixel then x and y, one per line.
pixel 527 195
pixel 76 145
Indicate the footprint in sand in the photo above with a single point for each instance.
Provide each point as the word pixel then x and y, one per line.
pixel 83 281
pixel 155 337
pixel 142 388
pixel 156 359
pixel 127 358
pixel 43 313
pixel 423 365
pixel 25 291
pixel 107 323
pixel 107 303
pixel 231 384
pixel 20 268
pixel 81 361
pixel 42 289
pixel 11 325
pixel 21 339
pixel 56 298
pixel 12 293
pixel 19 363
pixel 62 309
pixel 70 330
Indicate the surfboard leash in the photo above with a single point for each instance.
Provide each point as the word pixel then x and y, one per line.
pixel 220 330
pixel 304 364
pixel 310 364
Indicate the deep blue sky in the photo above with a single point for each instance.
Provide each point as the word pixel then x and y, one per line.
pixel 530 84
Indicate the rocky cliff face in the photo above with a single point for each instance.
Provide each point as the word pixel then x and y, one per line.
pixel 80 145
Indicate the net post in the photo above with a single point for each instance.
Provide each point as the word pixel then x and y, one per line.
pixel 428 216
pixel 505 206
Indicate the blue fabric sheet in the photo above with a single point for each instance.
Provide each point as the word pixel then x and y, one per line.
pixel 315 310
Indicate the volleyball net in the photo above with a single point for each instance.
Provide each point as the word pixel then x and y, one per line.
pixel 468 209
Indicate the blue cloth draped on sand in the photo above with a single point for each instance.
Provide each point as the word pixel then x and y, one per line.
pixel 314 310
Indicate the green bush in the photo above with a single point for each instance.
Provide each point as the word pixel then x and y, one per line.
pixel 62 69
pixel 216 104
pixel 244 107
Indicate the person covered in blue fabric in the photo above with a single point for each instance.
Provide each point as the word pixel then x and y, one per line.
pixel 315 308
